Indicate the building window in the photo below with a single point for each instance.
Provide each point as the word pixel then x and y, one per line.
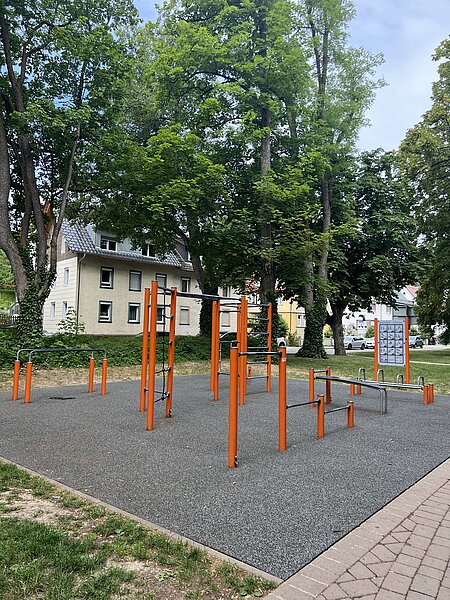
pixel 63 245
pixel 160 314
pixel 105 312
pixel 64 310
pixel 107 243
pixel 106 277
pixel 162 280
pixel 134 313
pixel 52 311
pixel 185 284
pixel 148 250
pixel 66 277
pixel 184 315
pixel 226 291
pixel 135 281
pixel 226 321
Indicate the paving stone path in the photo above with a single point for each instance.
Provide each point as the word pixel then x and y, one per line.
pixel 401 553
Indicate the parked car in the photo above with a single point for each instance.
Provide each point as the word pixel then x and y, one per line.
pixel 352 342
pixel 370 343
pixel 415 341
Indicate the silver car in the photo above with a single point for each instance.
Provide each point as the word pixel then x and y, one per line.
pixel 352 342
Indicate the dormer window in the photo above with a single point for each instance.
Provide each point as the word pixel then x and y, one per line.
pixel 148 250
pixel 107 243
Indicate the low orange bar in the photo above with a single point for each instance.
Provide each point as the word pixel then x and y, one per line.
pixel 29 372
pixel 282 400
pixel 91 375
pixel 15 390
pixel 328 386
pixel 320 416
pixel 351 414
pixel 311 387
pixel 233 411
pixel 104 370
pixel 144 349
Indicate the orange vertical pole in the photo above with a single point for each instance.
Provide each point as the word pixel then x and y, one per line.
pixel 269 347
pixel 321 417
pixel 358 389
pixel 328 386
pixel 311 387
pixel 213 344
pixel 407 365
pixel 152 356
pixel 426 394
pixel 91 375
pixel 171 353
pixel 282 400
pixel 217 351
pixel 352 389
pixel 375 352
pixel 351 414
pixel 104 370
pixel 241 369
pixel 432 392
pixel 245 344
pixel 15 390
pixel 233 411
pixel 29 372
pixel 144 359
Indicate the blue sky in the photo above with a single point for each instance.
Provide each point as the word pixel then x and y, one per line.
pixel 406 32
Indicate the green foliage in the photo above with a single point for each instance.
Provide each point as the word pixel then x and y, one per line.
pixel 70 325
pixel 315 322
pixel 370 332
pixel 7 298
pixel 6 276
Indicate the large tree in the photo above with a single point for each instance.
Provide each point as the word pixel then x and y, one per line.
pixel 426 151
pixel 62 70
pixel 371 260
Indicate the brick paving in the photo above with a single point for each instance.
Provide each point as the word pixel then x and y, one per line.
pixel 402 552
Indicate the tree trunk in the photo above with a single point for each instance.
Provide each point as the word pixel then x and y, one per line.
pixel 335 321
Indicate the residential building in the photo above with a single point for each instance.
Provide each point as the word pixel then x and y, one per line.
pixel 102 280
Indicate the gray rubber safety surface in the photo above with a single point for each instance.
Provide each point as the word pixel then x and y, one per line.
pixel 276 511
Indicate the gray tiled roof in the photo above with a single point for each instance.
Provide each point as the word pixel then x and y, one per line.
pixel 79 240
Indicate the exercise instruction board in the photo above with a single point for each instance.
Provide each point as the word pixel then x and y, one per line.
pixel 391 343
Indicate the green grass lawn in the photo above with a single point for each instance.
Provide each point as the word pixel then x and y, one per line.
pixel 56 546
pixel 347 366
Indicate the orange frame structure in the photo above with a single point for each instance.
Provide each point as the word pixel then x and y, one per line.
pixel 148 365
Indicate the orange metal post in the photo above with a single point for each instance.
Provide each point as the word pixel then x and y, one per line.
pixel 249 372
pixel 217 351
pixel 432 392
pixel 233 411
pixel 241 369
pixel 104 370
pixel 91 375
pixel 426 394
pixel 328 386
pixel 144 359
pixel 358 389
pixel 171 353
pixel 269 347
pixel 282 400
pixel 351 415
pixel 408 369
pixel 375 352
pixel 28 375
pixel 311 387
pixel 152 356
pixel 352 389
pixel 244 323
pixel 213 344
pixel 321 417
pixel 15 390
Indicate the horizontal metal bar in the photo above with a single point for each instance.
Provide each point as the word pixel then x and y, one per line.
pixel 328 412
pixel 255 362
pixel 261 353
pixel 32 351
pixel 257 377
pixel 302 404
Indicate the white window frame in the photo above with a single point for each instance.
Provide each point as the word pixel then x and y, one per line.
pixel 226 319
pixel 108 243
pixel 145 250
pixel 52 311
pixel 136 305
pixel 160 314
pixel 183 311
pixel 107 285
pixel 108 317
pixel 186 283
pixel 64 308
pixel 66 277
pixel 135 289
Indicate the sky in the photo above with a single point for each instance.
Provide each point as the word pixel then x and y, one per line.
pixel 406 32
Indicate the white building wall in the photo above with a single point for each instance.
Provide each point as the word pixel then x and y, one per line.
pixel 60 294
